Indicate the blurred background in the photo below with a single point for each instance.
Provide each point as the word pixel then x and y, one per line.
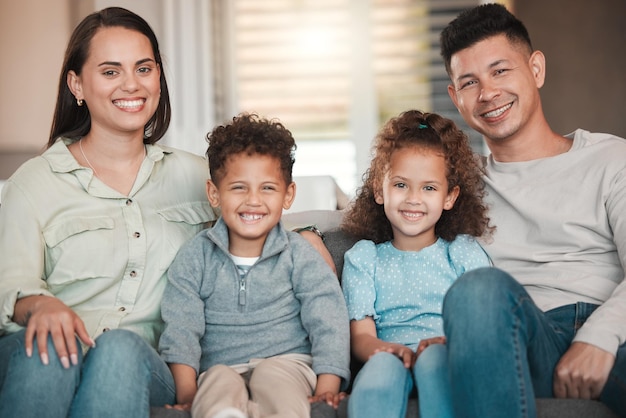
pixel 333 71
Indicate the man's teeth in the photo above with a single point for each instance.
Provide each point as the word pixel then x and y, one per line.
pixel 498 112
pixel 128 103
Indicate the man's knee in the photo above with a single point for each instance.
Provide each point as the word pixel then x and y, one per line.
pixel 478 288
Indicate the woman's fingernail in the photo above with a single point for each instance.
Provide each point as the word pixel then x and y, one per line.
pixel 74 359
pixel 65 362
pixel 44 358
pixel 29 352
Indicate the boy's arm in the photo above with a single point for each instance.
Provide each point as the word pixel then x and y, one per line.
pixel 327 383
pixel 327 390
pixel 186 384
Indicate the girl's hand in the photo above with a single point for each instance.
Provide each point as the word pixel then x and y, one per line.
pixel 403 352
pixel 43 315
pixel 429 341
pixel 330 398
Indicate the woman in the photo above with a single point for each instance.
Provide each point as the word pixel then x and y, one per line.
pixel 89 229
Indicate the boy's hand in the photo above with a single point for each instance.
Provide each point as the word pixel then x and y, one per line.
pixel 327 390
pixel 180 407
pixel 332 399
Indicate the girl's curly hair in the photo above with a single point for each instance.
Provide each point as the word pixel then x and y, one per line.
pixel 250 134
pixel 365 219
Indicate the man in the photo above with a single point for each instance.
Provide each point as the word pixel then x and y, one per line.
pixel 550 320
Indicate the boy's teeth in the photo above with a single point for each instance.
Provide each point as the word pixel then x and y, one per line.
pixel 251 217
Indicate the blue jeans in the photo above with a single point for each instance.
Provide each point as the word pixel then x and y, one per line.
pixel 502 349
pixel 121 377
pixel 382 387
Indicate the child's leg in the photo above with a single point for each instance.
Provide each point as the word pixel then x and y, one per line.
pixel 219 388
pixel 381 388
pixel 281 387
pixel 433 383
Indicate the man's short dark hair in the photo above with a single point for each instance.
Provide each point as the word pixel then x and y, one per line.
pixel 480 23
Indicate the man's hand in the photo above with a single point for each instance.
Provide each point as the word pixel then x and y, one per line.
pixel 318 244
pixel 582 372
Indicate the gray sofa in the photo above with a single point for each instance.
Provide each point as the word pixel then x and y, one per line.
pixel 337 243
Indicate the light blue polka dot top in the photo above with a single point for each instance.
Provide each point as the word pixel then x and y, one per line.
pixel 403 291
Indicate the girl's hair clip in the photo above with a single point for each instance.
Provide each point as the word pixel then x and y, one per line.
pixel 422 126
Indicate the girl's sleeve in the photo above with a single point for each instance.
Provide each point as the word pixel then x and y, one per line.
pixel 358 285
pixel 467 254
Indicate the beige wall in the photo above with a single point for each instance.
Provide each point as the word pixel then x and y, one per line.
pixel 33 34
pixel 583 41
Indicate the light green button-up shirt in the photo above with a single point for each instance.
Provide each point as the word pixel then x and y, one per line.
pixel 64 233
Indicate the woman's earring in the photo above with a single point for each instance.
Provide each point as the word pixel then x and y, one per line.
pixel 79 102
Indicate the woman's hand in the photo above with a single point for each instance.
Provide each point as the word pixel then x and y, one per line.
pixel 43 315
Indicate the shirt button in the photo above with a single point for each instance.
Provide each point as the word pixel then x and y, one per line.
pixel 106 329
pixel 129 202
pixel 122 309
pixel 136 234
pixel 133 273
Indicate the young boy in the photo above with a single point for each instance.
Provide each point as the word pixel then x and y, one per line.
pixel 250 307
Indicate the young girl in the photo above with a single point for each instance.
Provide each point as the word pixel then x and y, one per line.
pixel 417 215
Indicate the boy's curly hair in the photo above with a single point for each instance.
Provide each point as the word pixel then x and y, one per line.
pixel 250 134
pixel 365 219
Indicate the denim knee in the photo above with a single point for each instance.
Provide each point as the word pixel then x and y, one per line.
pixel 118 347
pixel 383 371
pixel 479 289
pixel 433 361
pixel 30 388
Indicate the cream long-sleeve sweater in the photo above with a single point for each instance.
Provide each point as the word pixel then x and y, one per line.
pixel 561 230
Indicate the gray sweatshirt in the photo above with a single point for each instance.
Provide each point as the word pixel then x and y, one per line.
pixel 290 301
